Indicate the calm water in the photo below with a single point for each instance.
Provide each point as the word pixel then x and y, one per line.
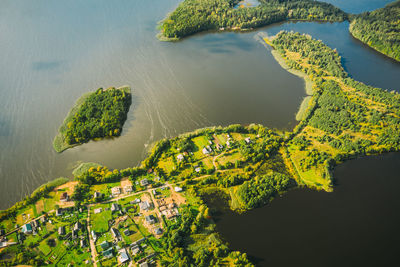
pixel 54 51
pixel 356 225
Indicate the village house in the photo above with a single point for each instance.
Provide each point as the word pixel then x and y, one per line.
pixel 158 231
pixel 94 236
pixel 144 264
pixel 104 245
pixel 108 253
pixel 83 243
pixel 178 189
pixel 180 157
pixel 114 207
pixel 98 210
pixel 74 234
pixel 115 191
pixel 77 226
pixel 97 195
pixel 27 228
pixel 115 233
pixel 35 224
pixel 144 182
pixel 150 219
pixel 144 206
pixel 61 230
pixel 248 140
pixel 64 197
pixel 205 151
pixel 128 189
pixel 59 212
pixel 123 256
pixel 198 169
pixel 135 250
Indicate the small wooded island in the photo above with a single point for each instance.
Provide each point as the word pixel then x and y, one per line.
pixel 95 115
pixel 157 213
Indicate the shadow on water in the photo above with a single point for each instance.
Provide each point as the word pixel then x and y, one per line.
pixel 355 225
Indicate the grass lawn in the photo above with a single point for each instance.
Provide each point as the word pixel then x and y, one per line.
pixel 165 192
pixel 101 238
pixel 44 248
pixel 200 142
pixel 24 215
pixel 100 221
pixel 230 157
pixel 208 163
pixel 109 262
pixel 104 189
pixel 222 138
pixel 8 225
pixel 167 164
pixel 75 257
pixel 313 177
pixel 49 202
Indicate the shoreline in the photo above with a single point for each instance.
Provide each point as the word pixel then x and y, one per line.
pixel 59 143
pixel 308 84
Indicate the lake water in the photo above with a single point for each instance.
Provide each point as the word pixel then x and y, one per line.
pixel 54 51
pixel 355 225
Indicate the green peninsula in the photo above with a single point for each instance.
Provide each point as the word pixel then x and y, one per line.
pixel 379 29
pixel 158 213
pixel 192 16
pixel 95 115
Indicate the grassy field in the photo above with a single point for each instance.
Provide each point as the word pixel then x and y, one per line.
pixel 100 221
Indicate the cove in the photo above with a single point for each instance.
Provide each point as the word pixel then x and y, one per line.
pixel 355 225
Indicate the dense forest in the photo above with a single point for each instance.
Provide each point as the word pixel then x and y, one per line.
pixel 193 16
pixel 102 114
pixel 260 190
pixel 380 29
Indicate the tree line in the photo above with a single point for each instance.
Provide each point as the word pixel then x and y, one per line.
pixel 102 114
pixel 192 16
pixel 379 29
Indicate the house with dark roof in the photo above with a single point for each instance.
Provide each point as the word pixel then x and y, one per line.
pixel 158 231
pixel 59 212
pixel 105 245
pixel 97 195
pixel 64 197
pixel 108 253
